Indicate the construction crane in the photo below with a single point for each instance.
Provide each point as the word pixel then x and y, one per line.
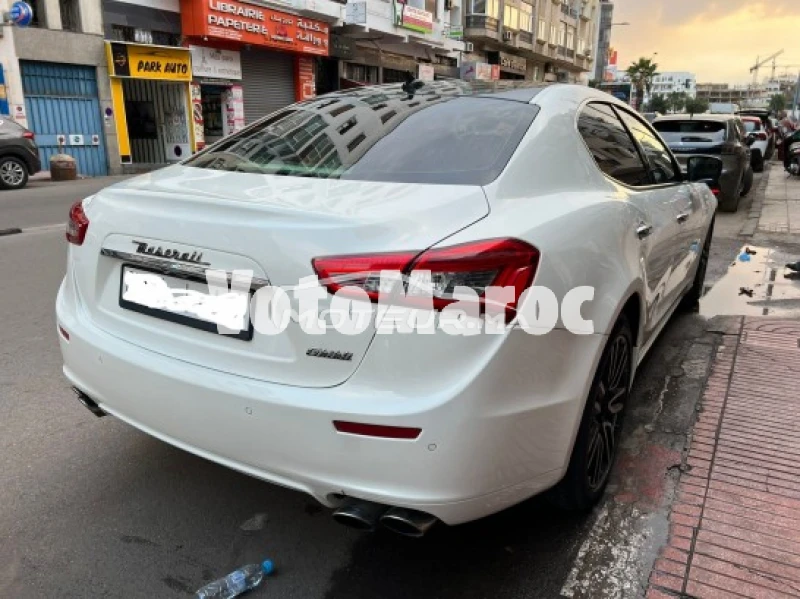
pixel 759 63
pixel 783 66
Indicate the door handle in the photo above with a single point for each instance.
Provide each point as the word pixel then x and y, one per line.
pixel 683 217
pixel 643 230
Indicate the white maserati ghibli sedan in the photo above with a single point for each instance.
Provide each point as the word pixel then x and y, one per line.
pixel 534 190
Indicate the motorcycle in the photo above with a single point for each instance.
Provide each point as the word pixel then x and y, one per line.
pixel 791 156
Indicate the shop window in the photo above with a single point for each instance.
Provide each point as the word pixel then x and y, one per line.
pixel 394 76
pixel 163 38
pixel 70 15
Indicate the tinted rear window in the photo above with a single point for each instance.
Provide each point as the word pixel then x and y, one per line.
pixel 751 126
pixel 693 131
pixel 424 139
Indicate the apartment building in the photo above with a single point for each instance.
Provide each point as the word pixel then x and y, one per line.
pixel 540 40
pixel 603 39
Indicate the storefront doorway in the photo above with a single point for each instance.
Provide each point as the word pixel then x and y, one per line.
pixel 155 114
pixel 150 97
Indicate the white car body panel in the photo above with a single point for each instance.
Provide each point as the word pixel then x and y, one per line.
pixel 498 413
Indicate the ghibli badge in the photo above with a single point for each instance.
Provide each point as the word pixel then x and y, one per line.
pixel 330 354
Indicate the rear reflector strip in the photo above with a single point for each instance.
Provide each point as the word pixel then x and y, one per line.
pixel 376 430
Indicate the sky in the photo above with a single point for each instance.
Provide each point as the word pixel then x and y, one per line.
pixel 718 40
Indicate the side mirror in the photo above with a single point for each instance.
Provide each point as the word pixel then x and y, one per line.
pixel 704 168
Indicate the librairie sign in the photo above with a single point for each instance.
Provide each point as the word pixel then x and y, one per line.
pixel 236 21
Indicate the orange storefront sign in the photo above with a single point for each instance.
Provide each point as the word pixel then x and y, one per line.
pixel 251 24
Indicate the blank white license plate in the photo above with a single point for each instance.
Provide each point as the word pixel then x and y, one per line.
pixel 185 302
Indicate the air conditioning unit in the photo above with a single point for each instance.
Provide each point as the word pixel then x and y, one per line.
pixel 468 46
pixel 507 36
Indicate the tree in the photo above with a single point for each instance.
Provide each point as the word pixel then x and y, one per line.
pixel 641 73
pixel 658 103
pixel 677 101
pixel 696 105
pixel 777 103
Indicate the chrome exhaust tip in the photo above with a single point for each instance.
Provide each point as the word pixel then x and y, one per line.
pixel 361 515
pixel 89 403
pixel 409 523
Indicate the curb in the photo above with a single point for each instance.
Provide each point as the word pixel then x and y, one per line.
pixel 17 230
pixel 751 225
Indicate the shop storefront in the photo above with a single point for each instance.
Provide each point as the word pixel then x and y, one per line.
pixel 151 99
pixel 276 52
pixel 510 66
pixel 217 96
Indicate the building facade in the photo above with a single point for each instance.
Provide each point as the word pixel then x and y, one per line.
pixel 539 40
pixel 603 41
pixel 675 81
pixel 56 84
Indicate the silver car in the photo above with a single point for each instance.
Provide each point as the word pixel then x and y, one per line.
pixel 720 135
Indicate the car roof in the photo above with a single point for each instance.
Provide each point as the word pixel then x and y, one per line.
pixel 520 91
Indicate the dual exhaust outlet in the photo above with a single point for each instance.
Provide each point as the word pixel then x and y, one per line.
pixel 366 516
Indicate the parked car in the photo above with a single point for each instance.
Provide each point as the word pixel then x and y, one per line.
pixel 19 155
pixel 721 135
pixel 570 188
pixel 765 116
pixel 760 148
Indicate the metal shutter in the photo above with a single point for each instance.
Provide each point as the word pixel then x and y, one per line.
pixel 267 82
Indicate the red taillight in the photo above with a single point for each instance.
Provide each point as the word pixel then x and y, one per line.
pixel 476 265
pixel 376 430
pixel 29 135
pixel 78 224
pixel 715 191
pixel 762 136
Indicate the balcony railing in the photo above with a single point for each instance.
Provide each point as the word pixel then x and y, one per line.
pixel 482 22
pixel 526 37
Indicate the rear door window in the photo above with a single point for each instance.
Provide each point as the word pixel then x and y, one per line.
pixel 662 167
pixel 611 146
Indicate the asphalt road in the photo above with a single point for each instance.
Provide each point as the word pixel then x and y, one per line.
pixel 44 203
pixel 93 508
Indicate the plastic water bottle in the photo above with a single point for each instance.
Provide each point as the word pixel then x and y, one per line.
pixel 237 582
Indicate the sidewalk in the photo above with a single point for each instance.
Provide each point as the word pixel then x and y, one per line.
pixel 781 209
pixel 735 524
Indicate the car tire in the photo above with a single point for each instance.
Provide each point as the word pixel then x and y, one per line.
pixel 691 301
pixel 598 435
pixel 758 164
pixel 13 173
pixel 748 182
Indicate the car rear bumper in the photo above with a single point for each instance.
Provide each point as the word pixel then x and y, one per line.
pixel 501 437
